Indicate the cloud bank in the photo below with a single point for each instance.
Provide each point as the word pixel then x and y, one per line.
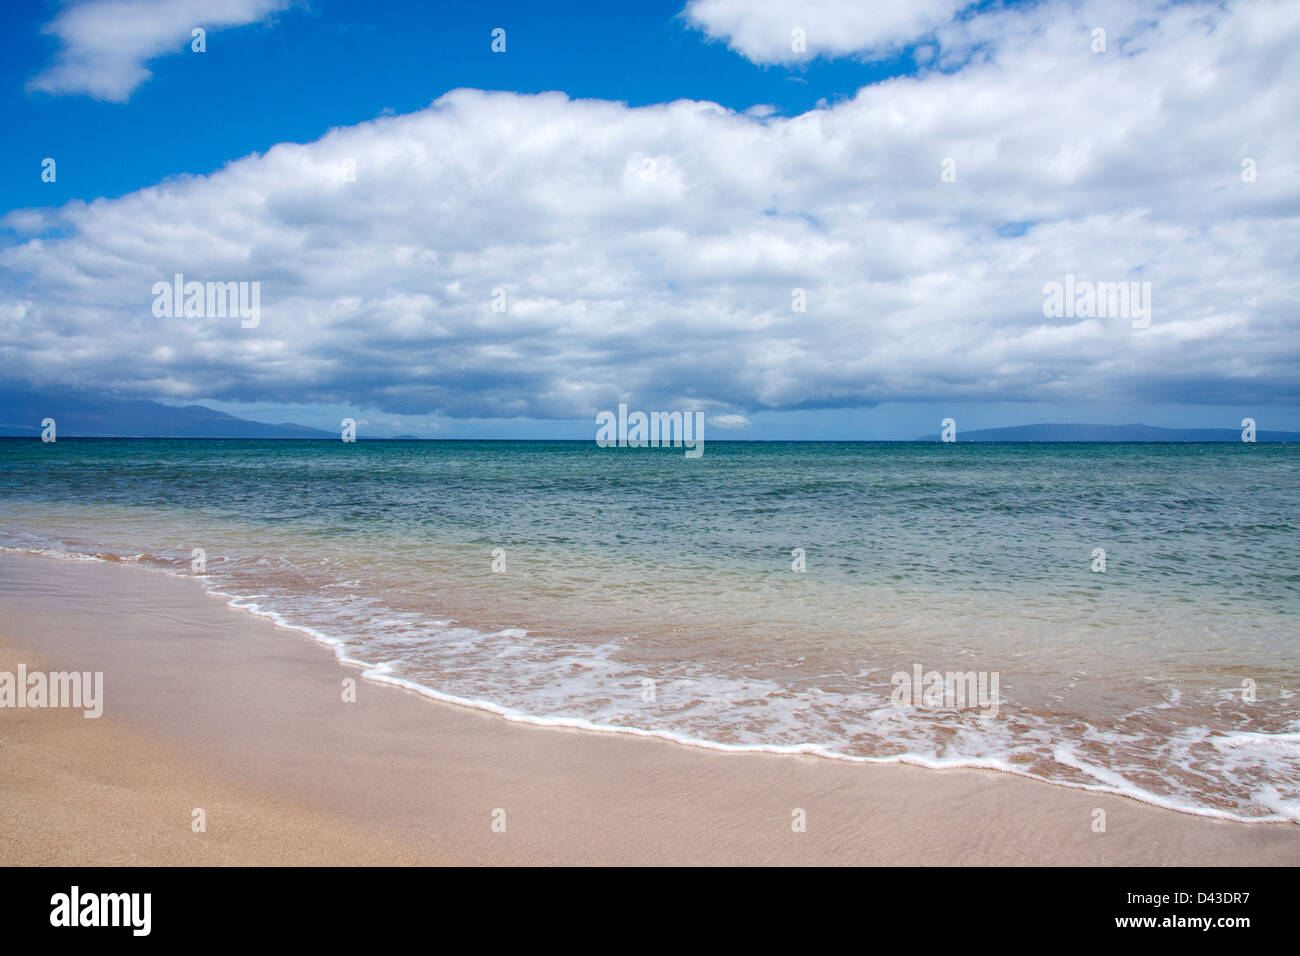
pixel 502 255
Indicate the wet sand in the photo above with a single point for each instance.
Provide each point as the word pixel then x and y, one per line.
pixel 209 707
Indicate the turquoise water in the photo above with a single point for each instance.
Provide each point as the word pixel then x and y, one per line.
pixel 639 589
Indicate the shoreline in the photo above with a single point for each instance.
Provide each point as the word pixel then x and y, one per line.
pixel 374 672
pixel 417 779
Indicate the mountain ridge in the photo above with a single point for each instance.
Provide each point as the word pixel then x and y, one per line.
pixel 80 414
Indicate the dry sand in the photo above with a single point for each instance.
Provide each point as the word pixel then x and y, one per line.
pixel 209 707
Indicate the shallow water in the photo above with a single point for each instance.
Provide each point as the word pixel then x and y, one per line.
pixel 644 590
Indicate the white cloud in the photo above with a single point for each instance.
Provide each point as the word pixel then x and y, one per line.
pixel 764 30
pixel 651 254
pixel 730 421
pixel 104 44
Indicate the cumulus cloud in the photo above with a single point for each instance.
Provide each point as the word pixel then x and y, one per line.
pixel 501 255
pixel 104 44
pixel 791 31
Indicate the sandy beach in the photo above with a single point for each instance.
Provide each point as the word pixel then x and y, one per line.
pixel 207 707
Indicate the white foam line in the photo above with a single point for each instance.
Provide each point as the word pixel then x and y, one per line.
pixel 1118 785
pixel 1115 783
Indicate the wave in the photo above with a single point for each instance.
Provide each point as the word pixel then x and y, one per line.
pixel 1001 747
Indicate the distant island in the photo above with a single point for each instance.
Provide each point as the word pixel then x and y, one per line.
pixel 87 414
pixel 1111 433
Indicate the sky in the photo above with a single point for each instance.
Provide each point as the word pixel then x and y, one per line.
pixel 812 219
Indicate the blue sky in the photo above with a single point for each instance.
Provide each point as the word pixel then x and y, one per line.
pixel 335 63
pixel 649 252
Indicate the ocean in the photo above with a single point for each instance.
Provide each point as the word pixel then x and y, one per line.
pixel 782 596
